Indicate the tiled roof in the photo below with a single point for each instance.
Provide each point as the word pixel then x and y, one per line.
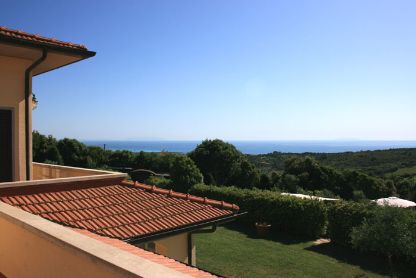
pixel 159 259
pixel 122 211
pixel 36 39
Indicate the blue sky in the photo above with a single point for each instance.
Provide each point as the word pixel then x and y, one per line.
pixel 236 70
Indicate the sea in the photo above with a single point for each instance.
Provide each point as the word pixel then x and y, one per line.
pixel 256 147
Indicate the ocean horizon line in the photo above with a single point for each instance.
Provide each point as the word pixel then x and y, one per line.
pixel 256 147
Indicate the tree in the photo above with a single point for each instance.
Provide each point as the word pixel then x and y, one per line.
pixel 245 175
pixel 372 187
pixel 310 174
pixel 217 161
pixel 158 162
pixel 184 174
pixel 73 152
pixel 265 182
pixel 45 149
pixel 98 156
pixel 290 183
pixel 406 188
pixel 275 178
pixel 122 159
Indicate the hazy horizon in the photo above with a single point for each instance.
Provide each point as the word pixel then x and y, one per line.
pixel 254 147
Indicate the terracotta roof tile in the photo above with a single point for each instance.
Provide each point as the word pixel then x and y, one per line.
pixel 125 210
pixel 33 38
pixel 159 259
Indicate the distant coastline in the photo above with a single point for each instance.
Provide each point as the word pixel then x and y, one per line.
pixel 256 147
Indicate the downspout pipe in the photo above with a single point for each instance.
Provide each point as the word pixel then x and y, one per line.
pixel 27 107
pixel 205 231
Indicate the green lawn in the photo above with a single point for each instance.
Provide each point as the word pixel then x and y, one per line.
pixel 234 252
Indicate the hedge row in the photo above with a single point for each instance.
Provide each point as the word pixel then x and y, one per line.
pixel 285 213
pixel 344 216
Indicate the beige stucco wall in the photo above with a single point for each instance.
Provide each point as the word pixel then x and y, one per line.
pixel 31 246
pixel 42 171
pixel 24 254
pixel 12 96
pixel 176 247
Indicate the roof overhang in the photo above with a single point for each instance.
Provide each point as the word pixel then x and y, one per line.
pixel 185 229
pixel 57 57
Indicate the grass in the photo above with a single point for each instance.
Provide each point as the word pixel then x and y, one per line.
pixel 236 252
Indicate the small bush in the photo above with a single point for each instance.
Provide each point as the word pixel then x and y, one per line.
pixel 284 213
pixel 158 181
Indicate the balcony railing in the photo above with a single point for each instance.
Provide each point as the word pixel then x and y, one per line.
pixel 42 171
pixel 48 174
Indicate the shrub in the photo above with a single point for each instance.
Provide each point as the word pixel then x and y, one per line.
pixel 285 213
pixel 358 195
pixel 389 231
pixel 343 217
pixel 159 181
pixel 184 174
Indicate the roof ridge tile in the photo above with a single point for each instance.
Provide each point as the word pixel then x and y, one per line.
pixel 185 196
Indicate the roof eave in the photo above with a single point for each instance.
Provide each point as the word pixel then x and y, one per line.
pixel 83 58
pixel 184 229
pixel 85 53
pixel 81 53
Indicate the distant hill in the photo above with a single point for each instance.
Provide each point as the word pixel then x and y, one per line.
pixel 379 163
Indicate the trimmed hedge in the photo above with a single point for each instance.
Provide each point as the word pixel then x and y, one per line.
pixel 284 213
pixel 344 216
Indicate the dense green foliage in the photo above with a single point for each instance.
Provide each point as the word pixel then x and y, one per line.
pixel 159 181
pixel 184 174
pixel 378 162
pixel 45 148
pixel 343 217
pixel 302 174
pixel 357 175
pixel 285 213
pixel 222 163
pixel 389 231
pixel 307 175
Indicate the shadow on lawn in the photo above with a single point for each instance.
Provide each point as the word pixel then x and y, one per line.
pixel 278 237
pixel 369 262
